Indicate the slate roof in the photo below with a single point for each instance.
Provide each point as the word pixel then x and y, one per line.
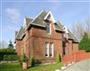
pixel 71 36
pixel 28 20
pixel 59 27
pixel 39 21
pixel 20 33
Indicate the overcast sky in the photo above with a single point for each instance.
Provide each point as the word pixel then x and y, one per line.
pixel 12 13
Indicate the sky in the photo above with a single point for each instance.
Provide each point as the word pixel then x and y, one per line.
pixel 13 12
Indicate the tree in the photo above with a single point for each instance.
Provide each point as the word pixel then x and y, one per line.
pixel 85 43
pixel 79 28
pixel 10 45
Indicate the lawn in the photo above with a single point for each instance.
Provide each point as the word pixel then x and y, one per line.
pixel 17 67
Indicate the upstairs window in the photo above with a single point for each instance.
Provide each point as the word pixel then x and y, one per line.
pixel 48 28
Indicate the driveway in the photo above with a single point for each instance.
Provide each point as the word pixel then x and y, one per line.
pixel 80 66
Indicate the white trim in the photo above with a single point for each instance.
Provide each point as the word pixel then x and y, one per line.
pixel 52 49
pixel 47 49
pixel 65 29
pixel 66 32
pixel 24 22
pixel 51 16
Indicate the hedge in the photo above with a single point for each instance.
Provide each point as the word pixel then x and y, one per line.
pixel 8 54
pixel 10 57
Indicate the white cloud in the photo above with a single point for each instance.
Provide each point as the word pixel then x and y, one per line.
pixel 12 14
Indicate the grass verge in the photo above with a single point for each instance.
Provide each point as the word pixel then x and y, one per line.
pixel 17 67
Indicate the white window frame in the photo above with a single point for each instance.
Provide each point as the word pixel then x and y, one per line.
pixel 52 49
pixel 47 49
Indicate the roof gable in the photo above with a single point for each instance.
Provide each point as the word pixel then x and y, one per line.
pixel 21 33
pixel 49 17
pixel 39 20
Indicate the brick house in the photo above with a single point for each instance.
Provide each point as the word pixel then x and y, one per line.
pixel 43 38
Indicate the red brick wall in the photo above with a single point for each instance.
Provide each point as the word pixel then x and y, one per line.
pixel 39 36
pixel 76 56
pixel 66 48
pixel 75 47
pixel 34 42
pixel 70 46
pixel 19 46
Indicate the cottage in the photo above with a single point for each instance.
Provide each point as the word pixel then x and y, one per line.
pixel 43 38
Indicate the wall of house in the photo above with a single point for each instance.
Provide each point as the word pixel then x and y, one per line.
pixel 38 38
pixel 75 47
pixel 19 46
pixel 70 46
pixel 66 48
pixel 34 44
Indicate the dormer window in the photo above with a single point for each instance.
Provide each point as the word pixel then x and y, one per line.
pixel 48 28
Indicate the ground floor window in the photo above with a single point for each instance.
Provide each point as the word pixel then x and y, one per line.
pixel 49 49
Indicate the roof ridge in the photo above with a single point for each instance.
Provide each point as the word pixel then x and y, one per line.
pixel 38 14
pixel 37 17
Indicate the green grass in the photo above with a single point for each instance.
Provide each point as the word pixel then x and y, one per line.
pixel 17 67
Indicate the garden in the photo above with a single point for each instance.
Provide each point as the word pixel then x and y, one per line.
pixel 9 62
pixel 40 67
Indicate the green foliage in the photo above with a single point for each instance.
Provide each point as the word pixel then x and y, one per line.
pixel 32 62
pixel 85 43
pixel 10 57
pixel 6 52
pixel 58 58
pixel 17 67
pixel 10 45
pixel 24 58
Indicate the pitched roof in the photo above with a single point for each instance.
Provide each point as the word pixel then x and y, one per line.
pixel 59 27
pixel 21 33
pixel 28 20
pixel 39 20
pixel 71 36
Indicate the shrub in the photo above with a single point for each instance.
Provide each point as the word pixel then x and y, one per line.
pixel 24 58
pixel 32 62
pixel 85 43
pixel 10 57
pixel 58 58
